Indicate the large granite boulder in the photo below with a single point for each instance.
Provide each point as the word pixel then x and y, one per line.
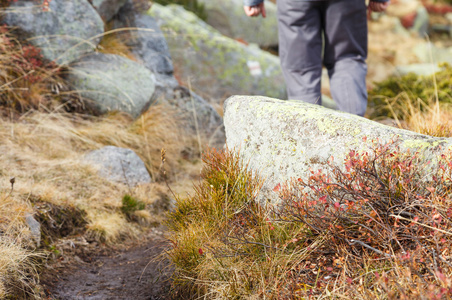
pixel 228 17
pixel 108 8
pixel 284 139
pixel 147 43
pixel 119 165
pixel 111 82
pixel 64 32
pixel 214 64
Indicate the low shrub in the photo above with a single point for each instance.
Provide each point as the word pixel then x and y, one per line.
pixel 27 80
pixel 378 228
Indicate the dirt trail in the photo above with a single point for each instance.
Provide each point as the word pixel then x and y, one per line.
pixel 123 272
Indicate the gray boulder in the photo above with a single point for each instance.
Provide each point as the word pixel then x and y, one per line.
pixel 421 23
pixel 147 43
pixel 107 8
pixel 119 165
pixel 228 17
pixel 214 64
pixel 64 33
pixel 111 82
pixel 284 139
pixel 199 116
pixel 418 69
pixel 427 52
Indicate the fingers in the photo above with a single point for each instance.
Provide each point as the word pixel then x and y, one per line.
pixel 254 11
pixel 378 6
pixel 251 11
pixel 263 12
pixel 385 5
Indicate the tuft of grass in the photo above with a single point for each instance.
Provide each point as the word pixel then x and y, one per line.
pixel 434 119
pixel 17 257
pixel 112 44
pixel 109 227
pixel 130 205
pixel 17 268
pixel 377 228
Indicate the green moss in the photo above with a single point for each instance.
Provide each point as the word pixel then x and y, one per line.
pixel 209 54
pixel 190 5
pixel 392 97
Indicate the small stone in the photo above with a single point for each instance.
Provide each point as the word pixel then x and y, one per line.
pixel 35 228
pixel 119 165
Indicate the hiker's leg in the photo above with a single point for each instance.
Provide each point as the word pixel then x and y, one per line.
pixel 300 48
pixel 346 53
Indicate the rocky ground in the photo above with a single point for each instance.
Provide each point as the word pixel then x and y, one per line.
pixel 132 270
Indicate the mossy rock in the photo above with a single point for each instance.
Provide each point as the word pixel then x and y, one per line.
pixel 191 5
pixel 228 17
pixel 64 33
pixel 214 64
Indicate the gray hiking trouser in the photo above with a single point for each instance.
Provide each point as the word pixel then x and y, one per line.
pixel 344 27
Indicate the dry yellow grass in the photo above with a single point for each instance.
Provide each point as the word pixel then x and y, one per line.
pixel 112 44
pixel 42 147
pixel 44 152
pixel 15 266
pixel 436 120
pixel 16 262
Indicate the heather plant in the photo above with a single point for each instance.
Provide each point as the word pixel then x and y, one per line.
pixel 28 81
pixel 377 228
pixel 387 214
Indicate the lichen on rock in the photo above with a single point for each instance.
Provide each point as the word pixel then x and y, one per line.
pixel 282 140
pixel 214 64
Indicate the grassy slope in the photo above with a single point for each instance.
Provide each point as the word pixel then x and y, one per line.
pixel 44 152
pixel 42 148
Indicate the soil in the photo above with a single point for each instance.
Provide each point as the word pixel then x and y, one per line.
pixel 131 270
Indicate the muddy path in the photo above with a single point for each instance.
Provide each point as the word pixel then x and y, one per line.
pixel 126 271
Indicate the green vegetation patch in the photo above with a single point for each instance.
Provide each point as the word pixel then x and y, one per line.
pixel 393 96
pixel 131 204
pixel 190 5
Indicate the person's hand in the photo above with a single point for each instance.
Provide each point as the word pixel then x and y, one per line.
pixel 255 11
pixel 378 6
